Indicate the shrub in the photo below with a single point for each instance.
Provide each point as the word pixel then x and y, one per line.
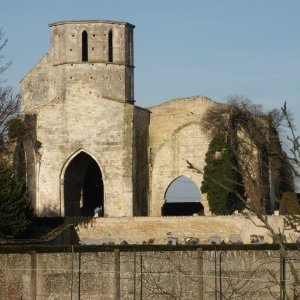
pixel 15 208
pixel 221 177
pixel 16 128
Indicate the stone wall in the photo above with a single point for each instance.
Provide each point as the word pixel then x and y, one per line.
pixel 139 229
pixel 64 134
pixel 134 274
pixel 176 136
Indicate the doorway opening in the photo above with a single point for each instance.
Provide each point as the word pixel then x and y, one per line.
pixel 83 187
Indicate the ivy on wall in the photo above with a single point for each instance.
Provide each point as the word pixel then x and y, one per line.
pixel 221 177
pixel 16 128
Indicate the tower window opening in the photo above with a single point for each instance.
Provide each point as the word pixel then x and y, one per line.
pixel 110 46
pixel 84 46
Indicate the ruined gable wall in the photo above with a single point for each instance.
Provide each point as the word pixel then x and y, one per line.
pixel 35 87
pixel 175 136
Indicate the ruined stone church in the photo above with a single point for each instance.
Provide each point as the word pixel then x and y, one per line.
pixel 90 145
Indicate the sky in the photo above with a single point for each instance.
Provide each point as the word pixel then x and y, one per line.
pixel 214 48
pixel 182 189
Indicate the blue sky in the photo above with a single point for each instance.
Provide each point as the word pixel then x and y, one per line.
pixel 182 189
pixel 182 48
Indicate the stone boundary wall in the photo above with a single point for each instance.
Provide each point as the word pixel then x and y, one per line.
pixel 193 274
pixel 135 230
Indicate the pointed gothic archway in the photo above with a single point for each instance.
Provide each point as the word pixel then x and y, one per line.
pixel 182 198
pixel 83 188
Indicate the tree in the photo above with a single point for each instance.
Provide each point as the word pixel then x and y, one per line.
pixel 221 167
pixel 9 101
pixel 15 210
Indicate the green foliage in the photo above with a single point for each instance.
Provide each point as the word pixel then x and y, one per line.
pixel 221 178
pixel 15 209
pixel 16 128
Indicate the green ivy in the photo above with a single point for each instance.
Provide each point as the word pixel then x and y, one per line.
pixel 16 128
pixel 221 178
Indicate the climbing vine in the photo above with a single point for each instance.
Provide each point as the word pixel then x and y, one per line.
pixel 221 177
pixel 16 128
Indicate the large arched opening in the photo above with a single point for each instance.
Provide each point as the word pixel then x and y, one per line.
pixel 182 198
pixel 83 187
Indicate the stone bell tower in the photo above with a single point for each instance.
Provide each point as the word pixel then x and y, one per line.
pixel 97 52
pixel 86 131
